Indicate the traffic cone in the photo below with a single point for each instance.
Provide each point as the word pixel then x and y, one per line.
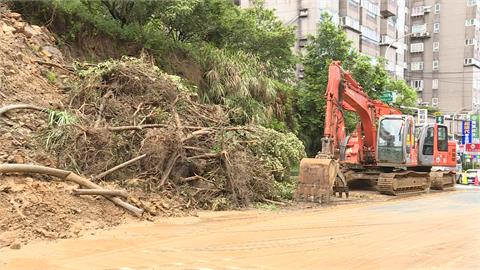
pixel 476 181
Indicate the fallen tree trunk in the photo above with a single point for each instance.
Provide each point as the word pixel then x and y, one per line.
pixel 102 192
pixel 67 176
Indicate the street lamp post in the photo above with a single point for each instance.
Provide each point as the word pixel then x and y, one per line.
pixel 397 39
pixel 390 45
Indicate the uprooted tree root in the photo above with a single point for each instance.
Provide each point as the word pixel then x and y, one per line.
pixel 125 109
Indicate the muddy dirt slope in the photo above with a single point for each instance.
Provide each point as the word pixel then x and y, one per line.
pixel 35 207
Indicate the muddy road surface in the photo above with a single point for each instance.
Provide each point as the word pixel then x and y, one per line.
pixel 434 231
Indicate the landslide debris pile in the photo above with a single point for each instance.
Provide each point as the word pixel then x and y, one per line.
pixel 37 207
pixel 98 116
pixel 122 109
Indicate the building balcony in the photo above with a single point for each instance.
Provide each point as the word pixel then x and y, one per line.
pixel 388 8
pixel 350 23
pixel 471 62
pixel 388 41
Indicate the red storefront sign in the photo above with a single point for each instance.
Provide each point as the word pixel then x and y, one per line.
pixel 472 147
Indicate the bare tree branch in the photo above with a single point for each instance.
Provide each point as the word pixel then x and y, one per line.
pixel 118 167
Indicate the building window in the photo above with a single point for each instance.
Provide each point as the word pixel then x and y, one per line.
pixel 349 22
pixel 436 46
pixel 418 11
pixel 436 27
pixel 435 65
pixel 467 61
pixel 470 22
pixel 391 22
pixel 414 66
pixel 471 3
pixel 370 34
pixel 437 8
pixel 416 47
pixel 419 28
pixel 470 42
pixel 354 2
pixel 435 84
pixel 417 84
pixel 471 61
pixel 372 8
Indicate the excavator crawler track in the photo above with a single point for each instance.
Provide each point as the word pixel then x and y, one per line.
pixel 442 180
pixel 403 183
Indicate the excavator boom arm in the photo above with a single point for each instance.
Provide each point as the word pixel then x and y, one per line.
pixel 345 93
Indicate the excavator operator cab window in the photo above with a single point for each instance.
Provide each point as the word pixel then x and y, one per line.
pixel 442 139
pixel 428 142
pixel 418 131
pixel 390 141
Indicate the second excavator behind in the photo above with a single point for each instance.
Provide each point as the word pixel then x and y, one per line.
pixel 387 148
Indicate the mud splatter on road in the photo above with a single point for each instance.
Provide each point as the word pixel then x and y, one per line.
pixel 433 231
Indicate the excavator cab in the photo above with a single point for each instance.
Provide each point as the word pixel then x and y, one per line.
pixel 395 140
pixel 400 142
pixel 435 148
pixel 436 151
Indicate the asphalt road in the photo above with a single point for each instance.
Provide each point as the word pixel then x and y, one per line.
pixel 434 231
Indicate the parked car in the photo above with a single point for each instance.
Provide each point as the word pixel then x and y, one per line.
pixel 470 175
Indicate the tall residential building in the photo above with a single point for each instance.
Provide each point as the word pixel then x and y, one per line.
pixel 376 27
pixel 444 53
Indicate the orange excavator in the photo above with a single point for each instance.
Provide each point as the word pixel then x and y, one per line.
pixel 387 149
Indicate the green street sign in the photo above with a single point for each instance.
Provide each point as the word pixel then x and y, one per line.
pixel 440 119
pixel 387 97
pixel 475 124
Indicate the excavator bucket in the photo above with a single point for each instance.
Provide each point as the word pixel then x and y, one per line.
pixel 316 179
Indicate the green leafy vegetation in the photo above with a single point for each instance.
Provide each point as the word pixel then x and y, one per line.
pixel 230 54
pixel 57 132
pixel 51 77
pixel 266 206
pixel 278 150
pixel 286 189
